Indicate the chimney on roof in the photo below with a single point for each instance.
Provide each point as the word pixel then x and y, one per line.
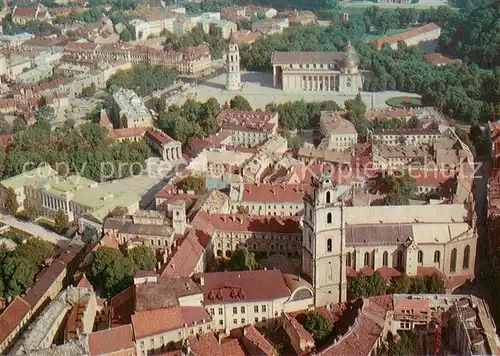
pixel 239 275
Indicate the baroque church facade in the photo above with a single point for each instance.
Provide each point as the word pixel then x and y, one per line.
pixel 341 240
pixel 318 71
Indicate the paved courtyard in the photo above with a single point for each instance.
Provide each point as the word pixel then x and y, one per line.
pixel 258 90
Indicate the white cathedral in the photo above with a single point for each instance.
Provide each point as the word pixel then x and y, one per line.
pixel 416 239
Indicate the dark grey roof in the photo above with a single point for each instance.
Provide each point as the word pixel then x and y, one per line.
pixel 378 234
pixel 298 57
pixel 146 229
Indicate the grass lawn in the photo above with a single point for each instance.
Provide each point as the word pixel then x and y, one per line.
pixel 404 102
pixel 372 36
pixel 48 224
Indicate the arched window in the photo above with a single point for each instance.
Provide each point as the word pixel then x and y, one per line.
pixel 420 257
pixel 228 254
pixel 329 245
pixel 353 265
pixel 367 258
pixel 219 253
pixel 329 218
pixel 348 259
pixel 399 261
pixel 465 264
pixel 437 256
pixel 385 259
pixel 328 197
pixel 453 260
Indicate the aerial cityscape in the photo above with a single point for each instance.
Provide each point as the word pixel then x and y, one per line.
pixel 230 178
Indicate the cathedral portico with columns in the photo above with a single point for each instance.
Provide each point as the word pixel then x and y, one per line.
pixel 318 71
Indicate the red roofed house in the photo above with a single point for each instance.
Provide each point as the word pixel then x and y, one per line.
pixel 21 15
pixel 235 299
pixel 154 329
pixel 412 37
pixel 168 148
pixel 438 60
pixel 196 61
pixel 12 321
pixel 300 339
pixel 117 341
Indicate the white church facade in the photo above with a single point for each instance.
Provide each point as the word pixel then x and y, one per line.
pixel 337 238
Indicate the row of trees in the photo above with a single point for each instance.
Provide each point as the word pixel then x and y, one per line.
pixel 300 114
pixel 143 78
pixel 85 150
pixel 33 26
pixel 363 287
pixel 19 266
pixel 113 271
pixel 197 36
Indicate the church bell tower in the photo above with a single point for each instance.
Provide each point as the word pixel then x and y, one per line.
pixel 233 79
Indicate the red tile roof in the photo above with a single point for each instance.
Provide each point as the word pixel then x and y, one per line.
pixel 6 140
pixel 119 340
pixel 411 304
pixel 43 284
pixel 303 333
pixel 131 132
pixel 406 35
pixel 210 141
pixel 24 12
pixel 208 345
pixel 385 114
pixel 196 52
pixel 84 282
pixel 108 240
pixel 153 322
pixel 275 193
pixel 387 273
pixel 158 137
pixel 438 59
pixel 246 120
pixel 244 222
pixel 234 287
pixel 12 316
pixel 431 178
pixel 255 343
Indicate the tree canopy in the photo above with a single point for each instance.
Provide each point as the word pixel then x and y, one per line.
pixel 194 183
pixel 402 187
pixel 61 222
pixel 143 257
pixel 239 103
pixel 242 260
pixel 319 326
pixel 10 201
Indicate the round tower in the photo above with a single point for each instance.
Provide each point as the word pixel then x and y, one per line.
pixel 233 80
pixel 350 62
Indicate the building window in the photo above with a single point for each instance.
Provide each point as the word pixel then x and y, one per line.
pixel 399 261
pixel 255 308
pixel 367 258
pixel 235 310
pixel 437 256
pixel 243 321
pixel 385 259
pixel 256 320
pixel 329 218
pixel 212 311
pixel 221 311
pixel 329 245
pixel 264 308
pixel 235 321
pixel 242 310
pixel 328 197
pixel 221 322
pixel 420 257
pixel 453 260
pixel 348 259
pixel 465 264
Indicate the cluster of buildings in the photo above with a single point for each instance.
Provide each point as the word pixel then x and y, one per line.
pixel 414 36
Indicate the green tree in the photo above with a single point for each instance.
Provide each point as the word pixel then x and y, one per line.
pixel 35 250
pixel 434 284
pixel 125 35
pixel 402 186
pixel 18 274
pixel 401 284
pixel 358 287
pixel 45 113
pixel 418 285
pixel 89 91
pixel 143 257
pixel 194 183
pixel 475 130
pixel 376 285
pixel 111 270
pixel 61 222
pixel 32 211
pixel 319 326
pixel 18 125
pixel 10 201
pixel 239 103
pixel 243 260
pixel 292 139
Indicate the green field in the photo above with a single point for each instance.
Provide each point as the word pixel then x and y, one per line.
pixel 404 102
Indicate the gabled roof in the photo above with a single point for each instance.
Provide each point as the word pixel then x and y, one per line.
pixel 12 316
pixel 119 340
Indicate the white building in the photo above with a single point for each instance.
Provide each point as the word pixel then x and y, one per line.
pixel 337 237
pixel 340 134
pixel 404 136
pixel 233 80
pixel 129 111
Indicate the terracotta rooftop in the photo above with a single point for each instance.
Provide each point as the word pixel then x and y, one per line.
pixel 407 132
pixel 84 282
pixel 159 137
pixel 116 341
pixel 24 12
pixel 131 132
pixel 6 140
pixel 255 343
pixel 44 282
pixel 412 304
pixel 153 322
pixel 247 120
pixel 431 178
pixel 385 114
pixel 333 122
pixel 196 52
pixel 235 287
pixel 208 345
pixel 299 328
pixel 406 35
pixel 12 316
pixel 438 59
pixel 275 193
pixel 256 223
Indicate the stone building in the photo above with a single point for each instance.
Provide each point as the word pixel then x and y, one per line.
pixel 338 238
pixel 412 37
pixel 168 148
pixel 404 136
pixel 129 111
pixel 317 71
pixel 340 134
pixel 233 79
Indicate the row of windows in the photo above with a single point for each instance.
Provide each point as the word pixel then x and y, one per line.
pixel 263 309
